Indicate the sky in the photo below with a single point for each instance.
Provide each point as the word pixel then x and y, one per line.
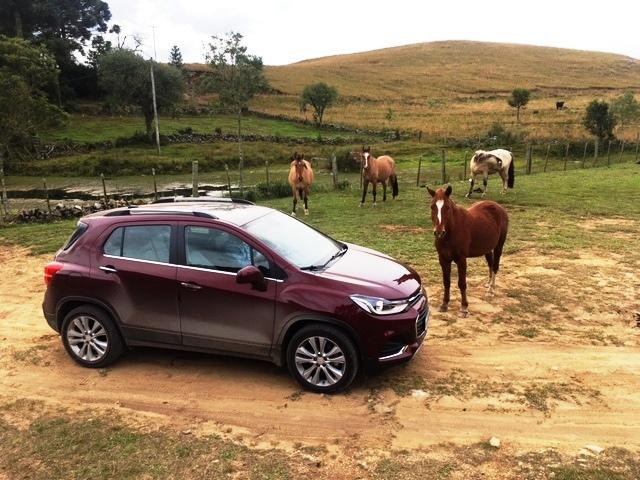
pixel 287 31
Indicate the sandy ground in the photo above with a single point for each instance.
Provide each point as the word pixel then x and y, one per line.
pixel 572 380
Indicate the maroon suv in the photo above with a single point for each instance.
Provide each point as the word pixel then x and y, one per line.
pixel 232 278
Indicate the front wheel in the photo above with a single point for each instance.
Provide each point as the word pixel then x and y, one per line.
pixel 90 337
pixel 322 358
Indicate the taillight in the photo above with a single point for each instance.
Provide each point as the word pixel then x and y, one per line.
pixel 50 270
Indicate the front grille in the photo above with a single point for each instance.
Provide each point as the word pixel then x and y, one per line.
pixel 421 322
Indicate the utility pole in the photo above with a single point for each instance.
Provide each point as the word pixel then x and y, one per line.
pixel 155 109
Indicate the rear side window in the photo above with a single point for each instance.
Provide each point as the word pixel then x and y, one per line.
pixel 77 233
pixel 140 242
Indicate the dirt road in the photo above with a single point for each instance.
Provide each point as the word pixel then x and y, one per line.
pixel 541 365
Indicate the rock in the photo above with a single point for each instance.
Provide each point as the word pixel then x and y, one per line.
pixel 586 453
pixel 419 394
pixel 382 409
pixel 494 442
pixel 186 432
pixel 594 448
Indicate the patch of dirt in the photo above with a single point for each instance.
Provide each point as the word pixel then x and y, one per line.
pixel 550 361
pixel 402 229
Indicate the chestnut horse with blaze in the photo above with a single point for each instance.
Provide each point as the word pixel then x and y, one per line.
pixel 377 170
pixel 461 233
pixel 300 179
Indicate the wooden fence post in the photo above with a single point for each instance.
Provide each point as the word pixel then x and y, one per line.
pixel 596 148
pixel 566 157
pixel 637 145
pixel 5 200
pixel 266 166
pixel 528 156
pixel 46 194
pixel 194 178
pixel 104 189
pixel 419 136
pixel 621 151
pixel 444 166
pixel 226 169
pixel 419 168
pixel 546 157
pixel 584 154
pixel 155 184
pixel 334 169
pixel 609 153
pixel 464 165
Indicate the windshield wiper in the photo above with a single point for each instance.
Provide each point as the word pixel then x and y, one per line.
pixel 315 268
pixel 339 253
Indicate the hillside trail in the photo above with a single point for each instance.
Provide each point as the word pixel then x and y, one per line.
pixel 570 385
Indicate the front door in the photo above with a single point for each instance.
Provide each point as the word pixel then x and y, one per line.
pixel 215 311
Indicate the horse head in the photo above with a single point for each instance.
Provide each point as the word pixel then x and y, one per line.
pixel 299 164
pixel 366 157
pixel 441 208
pixel 479 155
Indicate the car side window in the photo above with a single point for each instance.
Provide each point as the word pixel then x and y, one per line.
pixel 219 250
pixel 140 242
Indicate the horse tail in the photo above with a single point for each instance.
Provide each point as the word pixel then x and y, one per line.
pixel 512 174
pixel 394 185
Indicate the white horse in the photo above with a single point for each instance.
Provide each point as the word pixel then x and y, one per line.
pixel 495 161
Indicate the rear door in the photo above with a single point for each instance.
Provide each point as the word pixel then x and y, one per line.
pixel 215 311
pixel 136 275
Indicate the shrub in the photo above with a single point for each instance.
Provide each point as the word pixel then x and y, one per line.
pixel 278 189
pixel 502 136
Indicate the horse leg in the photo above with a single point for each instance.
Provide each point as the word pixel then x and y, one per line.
pixel 462 285
pixel 471 182
pixel 306 201
pixel 503 175
pixel 375 186
pixel 485 178
pixel 384 191
pixel 446 281
pixel 365 186
pixel 295 202
pixel 489 257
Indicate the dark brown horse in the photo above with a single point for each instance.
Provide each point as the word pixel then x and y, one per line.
pixel 377 170
pixel 300 180
pixel 462 233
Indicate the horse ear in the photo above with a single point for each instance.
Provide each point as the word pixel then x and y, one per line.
pixel 431 192
pixel 448 191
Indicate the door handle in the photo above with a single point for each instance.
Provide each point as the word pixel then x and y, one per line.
pixel 190 285
pixel 108 269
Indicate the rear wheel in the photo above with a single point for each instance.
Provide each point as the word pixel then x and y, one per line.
pixel 90 337
pixel 322 358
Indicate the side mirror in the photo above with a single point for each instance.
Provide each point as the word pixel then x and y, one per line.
pixel 252 275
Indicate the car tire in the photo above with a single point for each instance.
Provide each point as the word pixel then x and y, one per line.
pixel 91 337
pixel 322 358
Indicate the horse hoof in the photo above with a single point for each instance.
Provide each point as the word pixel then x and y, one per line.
pixel 467 195
pixel 306 212
pixel 484 195
pixel 464 313
pixel 293 214
pixel 375 204
pixel 361 205
pixel 443 308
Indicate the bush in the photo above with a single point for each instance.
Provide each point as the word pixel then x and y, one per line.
pixel 277 189
pixel 501 135
pixel 346 162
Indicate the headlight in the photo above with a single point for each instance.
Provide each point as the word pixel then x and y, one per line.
pixel 380 306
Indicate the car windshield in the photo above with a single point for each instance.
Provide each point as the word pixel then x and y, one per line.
pixel 294 240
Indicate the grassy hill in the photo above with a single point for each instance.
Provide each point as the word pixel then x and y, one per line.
pixel 458 88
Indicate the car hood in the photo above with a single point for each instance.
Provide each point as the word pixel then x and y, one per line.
pixel 373 273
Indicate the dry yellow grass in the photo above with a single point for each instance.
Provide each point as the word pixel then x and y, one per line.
pixel 458 88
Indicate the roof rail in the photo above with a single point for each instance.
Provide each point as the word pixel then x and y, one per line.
pixel 241 201
pixel 132 210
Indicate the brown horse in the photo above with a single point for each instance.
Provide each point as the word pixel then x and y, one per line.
pixel 462 233
pixel 377 170
pixel 300 179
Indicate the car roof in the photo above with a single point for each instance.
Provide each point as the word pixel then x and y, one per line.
pixel 232 212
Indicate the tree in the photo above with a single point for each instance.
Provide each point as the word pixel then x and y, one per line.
pixel 236 76
pixel 599 120
pixel 126 78
pixel 626 108
pixel 519 99
pixel 320 96
pixel 25 72
pixel 63 26
pixel 175 57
